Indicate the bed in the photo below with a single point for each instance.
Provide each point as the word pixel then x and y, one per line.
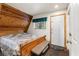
pixel 19 44
pixel 14 39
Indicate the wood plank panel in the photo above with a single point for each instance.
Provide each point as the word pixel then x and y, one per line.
pixel 12 19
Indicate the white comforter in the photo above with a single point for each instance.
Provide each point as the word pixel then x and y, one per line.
pixel 14 42
pixel 11 43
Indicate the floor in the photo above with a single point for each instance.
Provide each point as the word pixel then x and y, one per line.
pixel 53 52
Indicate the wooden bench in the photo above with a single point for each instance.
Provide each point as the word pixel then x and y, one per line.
pixel 41 48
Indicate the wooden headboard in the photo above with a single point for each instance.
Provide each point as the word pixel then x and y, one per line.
pixel 13 20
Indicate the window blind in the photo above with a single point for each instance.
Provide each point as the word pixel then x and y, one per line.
pixel 44 19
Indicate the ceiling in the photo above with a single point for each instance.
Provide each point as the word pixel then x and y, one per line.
pixel 39 8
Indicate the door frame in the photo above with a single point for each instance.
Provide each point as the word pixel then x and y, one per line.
pixel 65 28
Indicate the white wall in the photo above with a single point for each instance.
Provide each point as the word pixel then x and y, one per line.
pixel 41 31
pixel 47 30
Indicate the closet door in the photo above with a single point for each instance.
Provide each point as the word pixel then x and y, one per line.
pixel 57 30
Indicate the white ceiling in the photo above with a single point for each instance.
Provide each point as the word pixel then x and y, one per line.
pixel 38 8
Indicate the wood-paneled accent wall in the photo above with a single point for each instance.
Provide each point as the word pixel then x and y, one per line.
pixel 12 19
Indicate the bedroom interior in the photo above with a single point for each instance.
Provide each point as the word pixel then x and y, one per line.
pixel 37 29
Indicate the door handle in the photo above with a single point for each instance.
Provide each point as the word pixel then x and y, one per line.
pixel 70 34
pixel 69 42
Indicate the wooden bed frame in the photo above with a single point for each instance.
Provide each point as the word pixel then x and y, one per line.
pixel 14 21
pixel 26 49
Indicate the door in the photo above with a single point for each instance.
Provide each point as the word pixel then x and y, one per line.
pixel 69 33
pixel 57 30
pixel 73 40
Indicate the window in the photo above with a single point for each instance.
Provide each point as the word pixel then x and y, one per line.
pixel 40 23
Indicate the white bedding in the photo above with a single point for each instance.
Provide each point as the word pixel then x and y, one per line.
pixel 11 43
pixel 14 42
